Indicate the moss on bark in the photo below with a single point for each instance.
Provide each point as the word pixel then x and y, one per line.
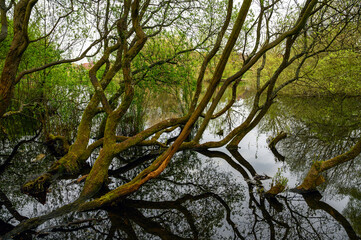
pixel 314 177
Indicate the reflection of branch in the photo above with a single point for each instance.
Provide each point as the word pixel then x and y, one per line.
pixel 15 150
pixel 228 159
pixel 132 165
pixel 243 161
pixel 269 219
pixel 68 226
pixel 272 145
pixel 147 224
pixel 190 219
pixel 7 203
pixel 119 221
pixel 313 201
pixel 177 205
pixel 298 224
pixel 260 205
pixel 279 156
pixel 228 216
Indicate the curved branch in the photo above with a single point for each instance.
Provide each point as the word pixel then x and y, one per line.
pixel 83 55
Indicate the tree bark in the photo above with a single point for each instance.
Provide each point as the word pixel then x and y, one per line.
pixel 18 46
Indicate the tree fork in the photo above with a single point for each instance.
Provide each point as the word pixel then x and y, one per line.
pixel 74 160
pixel 162 161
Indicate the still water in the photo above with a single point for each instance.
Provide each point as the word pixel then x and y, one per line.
pixel 212 194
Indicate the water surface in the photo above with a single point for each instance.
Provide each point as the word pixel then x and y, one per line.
pixel 212 194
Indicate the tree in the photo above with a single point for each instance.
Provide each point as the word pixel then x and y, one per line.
pixel 20 40
pixel 123 34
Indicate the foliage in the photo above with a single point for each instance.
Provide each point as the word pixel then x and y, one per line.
pixel 176 78
pixel 139 48
pixel 337 73
pixel 278 179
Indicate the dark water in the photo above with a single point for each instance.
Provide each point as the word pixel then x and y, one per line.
pixel 213 194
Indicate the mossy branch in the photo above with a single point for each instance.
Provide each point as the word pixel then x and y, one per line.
pixel 314 177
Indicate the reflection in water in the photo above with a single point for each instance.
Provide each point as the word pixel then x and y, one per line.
pixel 209 194
pixel 313 201
pixel 273 212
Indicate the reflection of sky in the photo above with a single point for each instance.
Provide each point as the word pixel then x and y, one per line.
pixel 338 202
pixel 253 148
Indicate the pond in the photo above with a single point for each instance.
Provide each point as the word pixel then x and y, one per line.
pixel 213 194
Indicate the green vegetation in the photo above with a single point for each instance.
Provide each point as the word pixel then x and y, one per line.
pixel 195 53
pixel 278 184
pixel 328 74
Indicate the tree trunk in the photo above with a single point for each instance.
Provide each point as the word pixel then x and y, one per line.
pixel 18 46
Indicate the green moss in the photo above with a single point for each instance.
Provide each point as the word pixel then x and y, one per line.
pixel 318 164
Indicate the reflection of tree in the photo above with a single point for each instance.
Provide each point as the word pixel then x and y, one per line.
pixel 195 199
pixel 4 200
pixel 128 211
pixel 352 212
pixel 204 203
pixel 14 151
pixel 327 119
pixel 254 204
pixel 320 129
pixel 198 187
pixel 292 219
pixel 313 201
